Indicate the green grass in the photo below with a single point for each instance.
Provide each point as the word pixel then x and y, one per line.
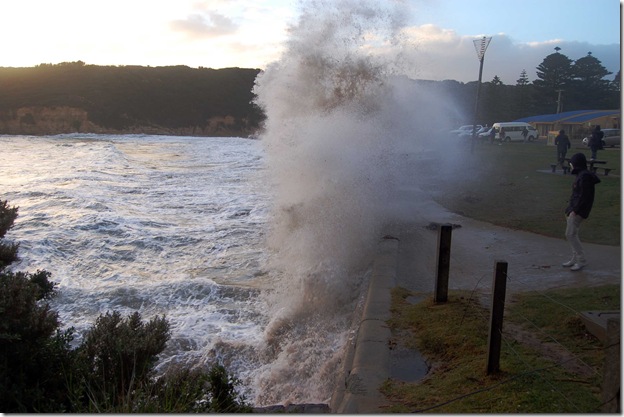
pixel 504 186
pixel 453 336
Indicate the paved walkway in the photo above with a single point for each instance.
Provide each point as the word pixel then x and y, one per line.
pixel 534 263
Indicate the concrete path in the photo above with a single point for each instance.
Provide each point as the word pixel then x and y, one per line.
pixel 409 261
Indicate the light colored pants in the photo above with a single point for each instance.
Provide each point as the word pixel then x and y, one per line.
pixel 573 224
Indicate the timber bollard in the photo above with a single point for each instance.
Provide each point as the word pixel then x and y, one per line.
pixel 499 287
pixel 444 260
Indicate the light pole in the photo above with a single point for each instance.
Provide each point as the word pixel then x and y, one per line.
pixel 480 45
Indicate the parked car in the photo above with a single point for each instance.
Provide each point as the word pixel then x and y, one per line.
pixel 611 138
pixel 465 130
pixel 484 133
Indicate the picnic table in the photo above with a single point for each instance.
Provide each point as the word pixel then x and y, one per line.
pixel 591 165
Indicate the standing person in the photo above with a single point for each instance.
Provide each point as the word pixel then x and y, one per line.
pixel 581 202
pixel 525 132
pixel 492 134
pixel 501 134
pixel 595 142
pixel 562 142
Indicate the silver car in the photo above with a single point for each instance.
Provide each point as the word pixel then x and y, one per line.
pixel 611 138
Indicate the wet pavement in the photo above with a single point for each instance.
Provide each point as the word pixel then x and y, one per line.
pixel 408 260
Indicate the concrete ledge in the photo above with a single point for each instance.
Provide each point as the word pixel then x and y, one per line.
pixel 596 322
pixel 370 359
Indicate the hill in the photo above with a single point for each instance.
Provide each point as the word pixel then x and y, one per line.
pixel 74 97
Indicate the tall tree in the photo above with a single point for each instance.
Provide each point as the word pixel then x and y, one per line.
pixel 522 95
pixel 554 76
pixel 590 88
pixel 496 103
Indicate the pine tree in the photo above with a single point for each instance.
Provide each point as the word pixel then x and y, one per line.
pixel 554 75
pixel 522 95
pixel 590 88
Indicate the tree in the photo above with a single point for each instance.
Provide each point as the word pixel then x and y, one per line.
pixel 554 74
pixel 589 89
pixel 522 95
pixel 496 102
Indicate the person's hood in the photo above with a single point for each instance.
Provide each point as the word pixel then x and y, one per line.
pixel 578 162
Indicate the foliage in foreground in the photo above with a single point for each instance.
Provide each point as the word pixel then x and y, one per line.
pixel 453 337
pixel 112 370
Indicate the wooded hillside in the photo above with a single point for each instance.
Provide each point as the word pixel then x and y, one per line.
pixel 74 97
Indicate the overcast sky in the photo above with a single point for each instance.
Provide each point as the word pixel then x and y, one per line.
pixel 252 33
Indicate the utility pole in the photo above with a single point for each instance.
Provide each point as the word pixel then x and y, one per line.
pixel 559 102
pixel 480 45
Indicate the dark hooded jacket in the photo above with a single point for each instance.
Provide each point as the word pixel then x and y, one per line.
pixel 582 198
pixel 595 141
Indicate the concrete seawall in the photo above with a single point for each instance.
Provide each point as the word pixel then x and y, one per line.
pixel 367 361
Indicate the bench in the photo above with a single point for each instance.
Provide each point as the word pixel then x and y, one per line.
pixel 564 167
pixel 605 169
pixel 592 166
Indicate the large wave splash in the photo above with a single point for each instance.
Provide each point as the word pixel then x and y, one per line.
pixel 341 123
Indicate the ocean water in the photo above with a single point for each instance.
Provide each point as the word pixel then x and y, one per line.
pixel 175 226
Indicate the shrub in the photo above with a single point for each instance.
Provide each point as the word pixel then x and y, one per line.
pixel 117 356
pixel 33 352
pixel 8 251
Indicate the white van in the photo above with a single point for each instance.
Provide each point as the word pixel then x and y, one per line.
pixel 513 131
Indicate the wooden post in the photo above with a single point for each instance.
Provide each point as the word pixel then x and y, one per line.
pixel 611 379
pixel 443 264
pixel 495 338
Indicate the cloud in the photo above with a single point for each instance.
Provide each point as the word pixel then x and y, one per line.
pixel 432 53
pixel 208 24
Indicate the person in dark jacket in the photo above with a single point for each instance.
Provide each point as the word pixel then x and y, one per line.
pixel 581 202
pixel 595 141
pixel 492 135
pixel 562 142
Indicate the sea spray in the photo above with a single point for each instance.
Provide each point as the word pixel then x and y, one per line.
pixel 341 120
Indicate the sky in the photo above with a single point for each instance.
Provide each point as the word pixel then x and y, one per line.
pixel 253 33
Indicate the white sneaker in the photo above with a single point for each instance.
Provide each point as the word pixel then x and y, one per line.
pixel 568 264
pixel 577 267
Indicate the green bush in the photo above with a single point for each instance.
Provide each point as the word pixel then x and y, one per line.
pixel 8 251
pixel 118 356
pixel 33 352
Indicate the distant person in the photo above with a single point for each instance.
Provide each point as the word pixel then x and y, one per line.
pixel 525 133
pixel 562 142
pixel 581 202
pixel 595 141
pixel 501 134
pixel 492 135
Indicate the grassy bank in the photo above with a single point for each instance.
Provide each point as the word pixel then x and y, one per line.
pixel 511 186
pixel 549 363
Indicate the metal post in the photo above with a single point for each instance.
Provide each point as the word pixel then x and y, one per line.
pixel 496 317
pixel 443 264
